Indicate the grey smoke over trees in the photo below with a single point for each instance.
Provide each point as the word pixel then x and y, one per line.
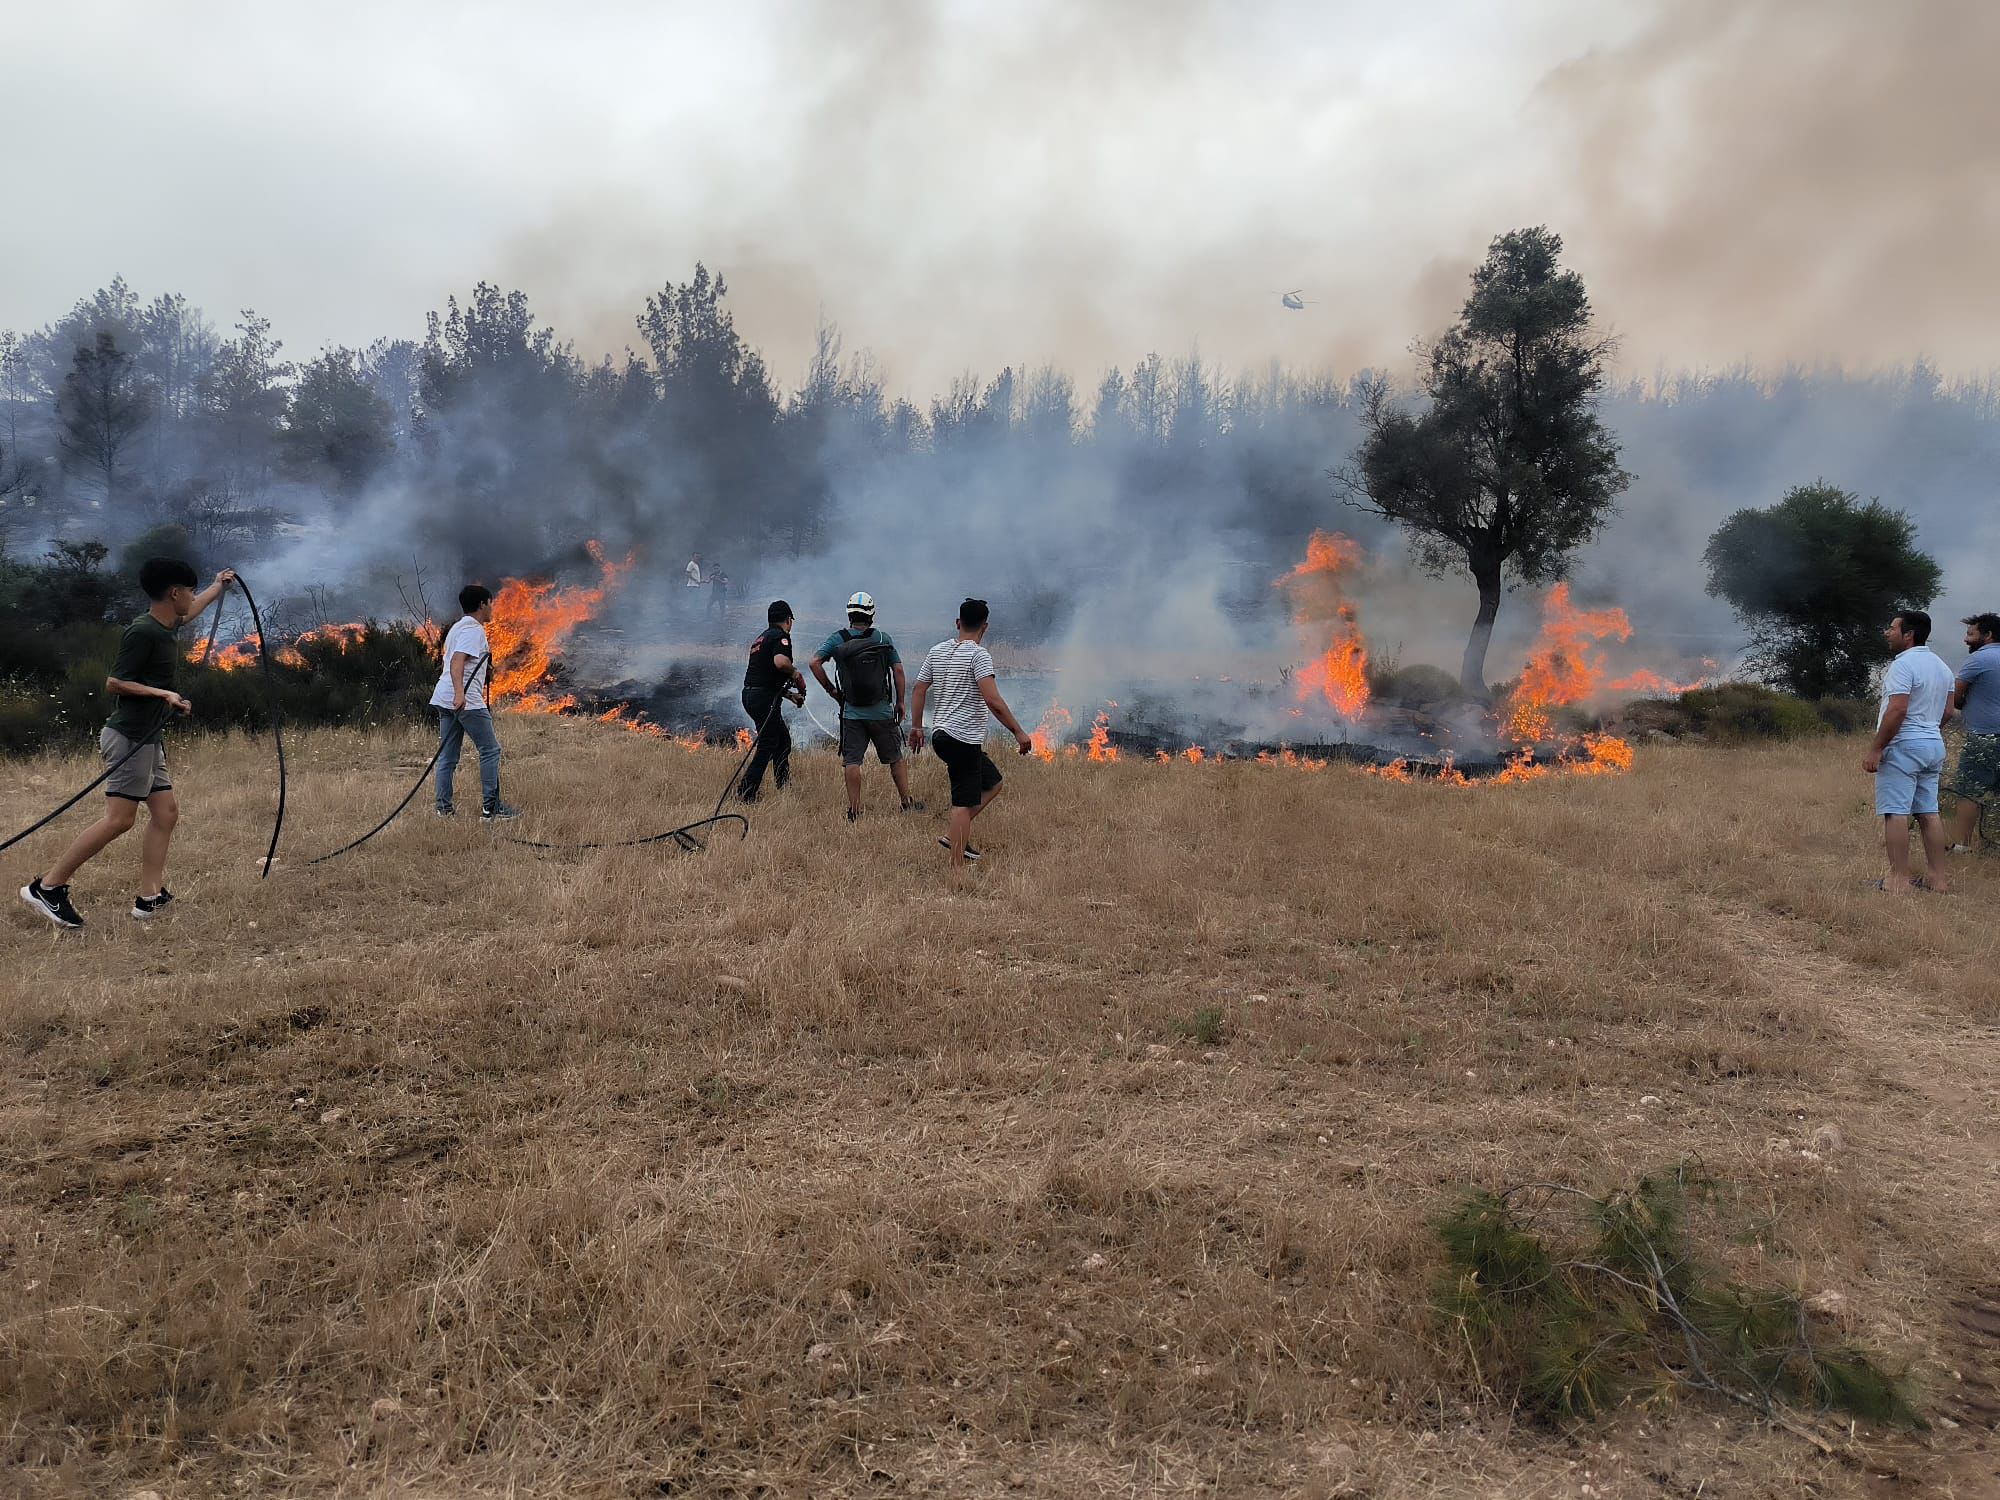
pixel 1139 510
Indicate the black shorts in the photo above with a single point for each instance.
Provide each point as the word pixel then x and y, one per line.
pixel 856 735
pixel 973 773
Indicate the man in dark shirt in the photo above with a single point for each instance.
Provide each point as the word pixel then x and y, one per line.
pixel 142 682
pixel 772 674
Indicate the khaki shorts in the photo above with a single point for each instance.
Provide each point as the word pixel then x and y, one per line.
pixel 141 776
pixel 856 735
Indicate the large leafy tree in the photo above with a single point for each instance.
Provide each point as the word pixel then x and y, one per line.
pixel 1816 577
pixel 339 429
pixel 101 409
pixel 717 420
pixel 246 401
pixel 1505 470
pixel 496 397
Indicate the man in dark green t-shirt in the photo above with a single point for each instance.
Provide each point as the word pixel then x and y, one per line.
pixel 142 683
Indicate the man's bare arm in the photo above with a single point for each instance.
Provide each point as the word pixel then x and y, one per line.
pixel 118 687
pixel 989 689
pixel 208 595
pixel 1895 713
pixel 818 665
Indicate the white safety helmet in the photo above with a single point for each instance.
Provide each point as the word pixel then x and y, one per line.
pixel 862 604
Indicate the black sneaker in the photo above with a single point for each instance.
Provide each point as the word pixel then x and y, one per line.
pixel 499 812
pixel 445 812
pixel 52 902
pixel 146 908
pixel 945 843
pixel 913 805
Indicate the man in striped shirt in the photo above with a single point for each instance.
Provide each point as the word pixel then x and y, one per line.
pixel 957 679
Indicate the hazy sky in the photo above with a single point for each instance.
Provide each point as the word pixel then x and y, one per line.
pixel 962 185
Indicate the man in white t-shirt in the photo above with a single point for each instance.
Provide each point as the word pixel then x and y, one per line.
pixel 1907 753
pixel 460 701
pixel 957 680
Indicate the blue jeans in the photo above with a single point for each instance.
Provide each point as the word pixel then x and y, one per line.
pixel 454 727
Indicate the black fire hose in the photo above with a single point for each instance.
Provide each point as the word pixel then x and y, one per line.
pixel 756 739
pixel 159 727
pixel 277 717
pixel 395 812
pixel 214 625
pixel 685 835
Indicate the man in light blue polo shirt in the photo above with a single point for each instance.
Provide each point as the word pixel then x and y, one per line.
pixel 1907 754
pixel 1977 695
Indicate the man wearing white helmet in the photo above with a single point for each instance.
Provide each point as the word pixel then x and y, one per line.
pixel 871 693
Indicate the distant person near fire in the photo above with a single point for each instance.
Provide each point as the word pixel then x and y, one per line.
pixel 871 692
pixel 718 594
pixel 463 714
pixel 957 680
pixel 770 676
pixel 142 685
pixel 691 587
pixel 1976 695
pixel 1907 754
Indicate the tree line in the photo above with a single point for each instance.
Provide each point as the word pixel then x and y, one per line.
pixel 1503 463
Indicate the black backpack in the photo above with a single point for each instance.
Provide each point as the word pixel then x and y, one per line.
pixel 862 660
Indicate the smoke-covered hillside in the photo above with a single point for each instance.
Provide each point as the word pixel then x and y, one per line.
pixel 1145 508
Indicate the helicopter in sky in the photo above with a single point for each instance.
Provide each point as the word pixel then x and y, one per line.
pixel 1295 300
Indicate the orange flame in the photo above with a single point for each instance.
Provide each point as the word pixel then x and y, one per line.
pixel 243 653
pixel 530 623
pixel 233 658
pixel 1055 723
pixel 1647 681
pixel 1561 668
pixel 1101 749
pixel 1194 755
pixel 1604 755
pixel 1340 673
pixel 1291 760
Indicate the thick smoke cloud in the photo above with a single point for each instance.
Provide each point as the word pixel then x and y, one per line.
pixel 1789 181
pixel 1052 190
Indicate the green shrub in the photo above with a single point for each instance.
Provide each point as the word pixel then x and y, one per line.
pixel 1733 713
pixel 1846 715
pixel 384 676
pixel 1747 711
pixel 1576 1303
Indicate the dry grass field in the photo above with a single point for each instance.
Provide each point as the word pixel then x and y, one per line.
pixel 797 1168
